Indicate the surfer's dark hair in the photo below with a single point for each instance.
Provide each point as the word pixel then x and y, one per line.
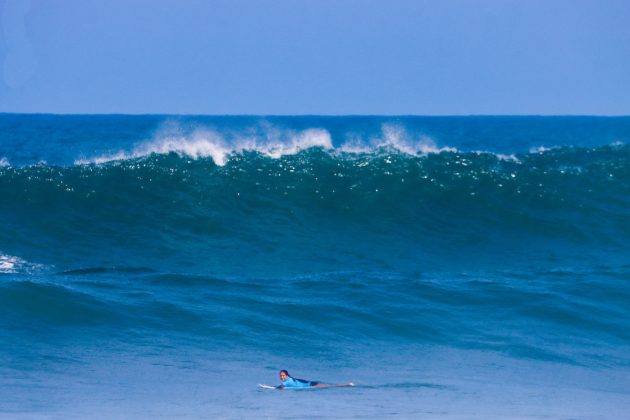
pixel 287 373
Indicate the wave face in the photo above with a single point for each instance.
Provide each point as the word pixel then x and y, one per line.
pixel 479 233
pixel 316 210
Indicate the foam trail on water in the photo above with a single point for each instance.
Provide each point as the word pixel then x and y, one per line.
pixel 7 264
pixel 10 265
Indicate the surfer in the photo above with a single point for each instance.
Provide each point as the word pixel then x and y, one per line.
pixel 289 381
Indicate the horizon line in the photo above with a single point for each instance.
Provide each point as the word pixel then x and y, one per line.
pixel 64 114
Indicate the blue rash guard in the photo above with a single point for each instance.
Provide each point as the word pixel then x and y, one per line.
pixel 292 382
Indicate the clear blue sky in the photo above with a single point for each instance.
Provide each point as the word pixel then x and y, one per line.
pixel 316 56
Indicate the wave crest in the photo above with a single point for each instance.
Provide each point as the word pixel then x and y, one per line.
pixel 204 143
pixel 273 142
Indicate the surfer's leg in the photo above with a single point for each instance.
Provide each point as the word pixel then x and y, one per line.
pixel 323 385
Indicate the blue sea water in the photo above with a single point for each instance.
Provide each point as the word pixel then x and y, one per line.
pixel 453 267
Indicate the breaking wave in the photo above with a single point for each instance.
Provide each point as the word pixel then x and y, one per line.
pixel 206 143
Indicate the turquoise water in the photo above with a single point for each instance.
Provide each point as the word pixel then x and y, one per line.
pixel 456 267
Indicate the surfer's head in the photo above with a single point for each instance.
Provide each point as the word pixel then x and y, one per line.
pixel 284 375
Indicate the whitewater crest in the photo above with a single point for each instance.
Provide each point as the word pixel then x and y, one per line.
pixel 541 149
pixel 204 143
pixel 4 162
pixel 274 143
pixel 394 138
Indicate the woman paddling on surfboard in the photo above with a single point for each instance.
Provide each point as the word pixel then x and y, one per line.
pixel 290 382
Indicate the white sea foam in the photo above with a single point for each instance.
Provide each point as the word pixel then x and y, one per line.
pixel 297 142
pixel 395 137
pixel 207 143
pixel 508 158
pixel 541 149
pixel 10 264
pixel 4 162
pixel 7 264
pixel 398 138
pixel 276 142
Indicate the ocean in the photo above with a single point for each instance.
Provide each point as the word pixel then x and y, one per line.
pixel 163 266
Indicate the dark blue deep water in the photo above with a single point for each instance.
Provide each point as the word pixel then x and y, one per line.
pixel 456 267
